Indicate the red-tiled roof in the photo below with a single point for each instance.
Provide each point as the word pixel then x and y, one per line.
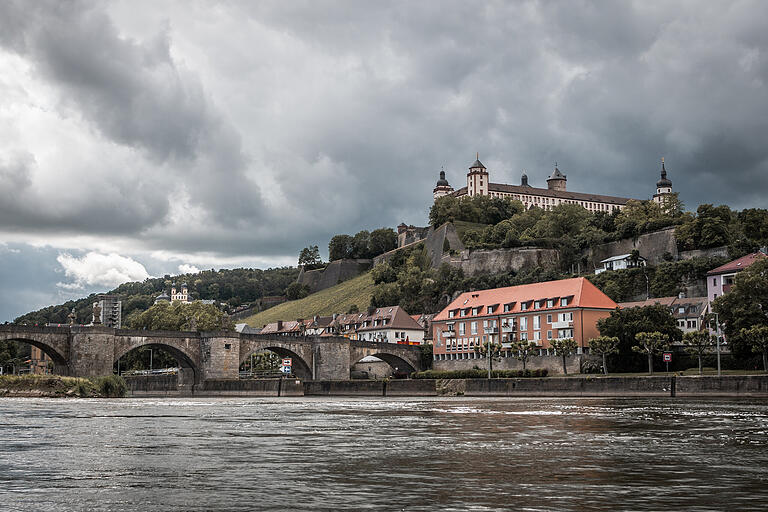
pixel 397 318
pixel 737 264
pixel 581 292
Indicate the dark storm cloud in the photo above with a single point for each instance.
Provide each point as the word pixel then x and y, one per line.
pixel 344 112
pixel 135 94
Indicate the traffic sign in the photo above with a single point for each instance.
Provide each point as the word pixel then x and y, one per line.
pixel 287 361
pixel 285 369
pixel 667 357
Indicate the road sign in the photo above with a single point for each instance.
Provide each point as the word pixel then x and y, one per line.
pixel 667 357
pixel 285 369
pixel 287 361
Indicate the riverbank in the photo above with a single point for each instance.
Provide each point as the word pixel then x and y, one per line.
pixel 747 386
pixel 57 386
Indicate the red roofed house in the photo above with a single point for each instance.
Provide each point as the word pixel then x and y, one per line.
pixel 540 312
pixel 720 279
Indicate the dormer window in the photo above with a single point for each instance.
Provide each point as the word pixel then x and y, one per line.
pixel 490 309
pixel 475 311
pixel 463 312
pixel 523 306
pixel 564 302
pixel 550 303
pixel 451 314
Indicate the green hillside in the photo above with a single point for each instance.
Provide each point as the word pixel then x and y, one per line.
pixel 336 299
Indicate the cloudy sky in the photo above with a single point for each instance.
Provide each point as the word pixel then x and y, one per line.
pixel 143 138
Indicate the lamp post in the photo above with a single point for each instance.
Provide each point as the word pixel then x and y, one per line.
pixel 717 335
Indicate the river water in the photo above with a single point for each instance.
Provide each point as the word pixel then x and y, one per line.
pixel 383 454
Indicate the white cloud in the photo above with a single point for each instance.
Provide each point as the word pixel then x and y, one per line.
pixel 188 269
pixel 94 269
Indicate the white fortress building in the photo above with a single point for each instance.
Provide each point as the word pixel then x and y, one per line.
pixel 479 183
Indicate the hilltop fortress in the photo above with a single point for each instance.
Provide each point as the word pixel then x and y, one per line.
pixel 479 183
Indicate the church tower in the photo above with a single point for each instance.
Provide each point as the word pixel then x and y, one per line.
pixel 477 179
pixel 442 188
pixel 663 186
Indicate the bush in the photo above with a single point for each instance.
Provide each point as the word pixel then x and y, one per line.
pixel 112 386
pixel 479 374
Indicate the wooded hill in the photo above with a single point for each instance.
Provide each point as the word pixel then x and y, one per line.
pixel 232 287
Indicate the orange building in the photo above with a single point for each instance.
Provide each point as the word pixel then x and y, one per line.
pixel 539 312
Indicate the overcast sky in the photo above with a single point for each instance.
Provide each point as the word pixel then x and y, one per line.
pixel 143 138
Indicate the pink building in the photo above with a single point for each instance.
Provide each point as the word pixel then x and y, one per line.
pixel 721 279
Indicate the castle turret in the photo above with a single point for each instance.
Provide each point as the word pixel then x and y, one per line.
pixel 556 180
pixel 442 188
pixel 477 179
pixel 663 186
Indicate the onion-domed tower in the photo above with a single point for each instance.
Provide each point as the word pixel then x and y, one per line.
pixel 442 188
pixel 663 186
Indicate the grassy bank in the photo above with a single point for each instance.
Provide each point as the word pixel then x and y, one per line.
pixel 337 299
pixel 58 386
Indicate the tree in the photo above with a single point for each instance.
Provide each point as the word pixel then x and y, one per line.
pixel 744 307
pixel 180 316
pixel 757 337
pixel 698 343
pixel 8 354
pixel 353 309
pixel 383 273
pixel 490 350
pixel 296 291
pixel 626 323
pixel 564 348
pixel 523 350
pixel 604 346
pixel 382 240
pixel 650 344
pixel 340 247
pixel 309 256
pixel 361 243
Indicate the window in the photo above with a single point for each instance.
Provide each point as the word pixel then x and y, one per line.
pixel 549 335
pixel 537 335
pixel 463 312
pixel 523 336
pixel 451 314
pixel 473 327
pixel 523 306
pixel 563 302
pixel 550 303
pixel 227 346
pixel 681 309
pixel 490 309
pixel 506 308
pixel 475 311
pixel 524 323
pixel 549 319
pixel 537 322
pixel 461 329
pixel 714 281
pixel 537 304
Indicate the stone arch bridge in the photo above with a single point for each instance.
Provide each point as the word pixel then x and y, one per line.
pixel 92 351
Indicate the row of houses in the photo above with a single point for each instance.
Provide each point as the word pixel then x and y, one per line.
pixel 385 325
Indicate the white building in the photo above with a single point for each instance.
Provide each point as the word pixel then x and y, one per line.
pixel 621 262
pixel 390 325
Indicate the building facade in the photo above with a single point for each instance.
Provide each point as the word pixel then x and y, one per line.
pixel 721 279
pixel 539 312
pixel 556 193
pixel 689 312
pixel 110 311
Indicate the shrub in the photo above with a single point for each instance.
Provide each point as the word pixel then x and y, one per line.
pixel 112 386
pixel 479 374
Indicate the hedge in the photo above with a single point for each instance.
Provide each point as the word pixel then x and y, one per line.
pixel 479 374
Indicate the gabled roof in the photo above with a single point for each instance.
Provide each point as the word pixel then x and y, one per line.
pixel 561 194
pixel 583 293
pixel 619 257
pixel 737 265
pixel 694 306
pixel 397 318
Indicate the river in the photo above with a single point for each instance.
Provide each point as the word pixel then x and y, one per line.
pixel 383 454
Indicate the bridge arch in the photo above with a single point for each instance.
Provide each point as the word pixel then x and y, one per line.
pixel 187 360
pixel 55 353
pixel 397 363
pixel 300 367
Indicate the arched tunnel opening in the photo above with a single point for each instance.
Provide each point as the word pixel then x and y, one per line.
pixel 156 360
pixel 266 363
pixel 26 356
pixel 380 366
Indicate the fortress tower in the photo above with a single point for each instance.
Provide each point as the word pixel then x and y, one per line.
pixel 477 179
pixel 663 186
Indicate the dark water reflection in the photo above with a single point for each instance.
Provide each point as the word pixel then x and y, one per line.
pixel 354 454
